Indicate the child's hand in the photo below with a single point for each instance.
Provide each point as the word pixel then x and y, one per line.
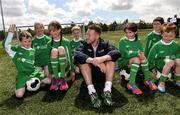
pixel 141 55
pixel 72 76
pixel 12 28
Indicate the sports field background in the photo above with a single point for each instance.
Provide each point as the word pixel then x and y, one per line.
pixel 76 100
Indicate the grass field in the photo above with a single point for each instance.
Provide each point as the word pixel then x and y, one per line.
pixel 76 100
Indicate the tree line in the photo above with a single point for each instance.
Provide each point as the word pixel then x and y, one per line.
pixel 114 26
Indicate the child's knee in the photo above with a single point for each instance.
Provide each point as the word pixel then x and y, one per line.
pixel 54 52
pixel 177 62
pixel 61 50
pixel 19 94
pixel 170 63
pixel 136 60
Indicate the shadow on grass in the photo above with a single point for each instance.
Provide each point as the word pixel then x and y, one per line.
pixel 12 102
pixel 147 96
pixel 83 101
pixel 173 89
pixel 52 96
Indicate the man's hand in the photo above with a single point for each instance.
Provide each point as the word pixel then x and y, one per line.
pixel 97 61
pixel 89 60
pixel 12 28
pixel 102 66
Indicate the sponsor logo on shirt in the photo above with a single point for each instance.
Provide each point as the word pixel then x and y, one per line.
pixel 101 51
pixel 89 50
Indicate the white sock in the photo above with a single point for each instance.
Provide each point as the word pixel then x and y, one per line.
pixel 108 86
pixel 91 89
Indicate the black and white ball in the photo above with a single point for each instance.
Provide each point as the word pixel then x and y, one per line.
pixel 33 84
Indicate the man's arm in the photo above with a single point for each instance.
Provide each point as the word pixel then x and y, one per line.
pixel 113 52
pixel 80 56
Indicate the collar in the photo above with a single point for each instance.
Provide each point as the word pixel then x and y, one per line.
pixel 77 40
pixel 40 37
pixel 167 43
pixel 56 40
pixel 156 33
pixel 26 48
pixel 130 39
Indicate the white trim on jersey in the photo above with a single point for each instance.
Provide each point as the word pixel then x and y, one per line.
pixel 8 45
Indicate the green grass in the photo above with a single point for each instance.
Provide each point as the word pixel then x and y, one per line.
pixel 76 100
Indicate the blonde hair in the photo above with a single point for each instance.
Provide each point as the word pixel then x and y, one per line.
pixel 38 23
pixel 75 28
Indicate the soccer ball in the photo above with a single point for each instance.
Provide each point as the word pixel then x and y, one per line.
pixel 125 74
pixel 33 84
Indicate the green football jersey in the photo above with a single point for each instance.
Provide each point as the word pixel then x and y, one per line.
pixel 23 58
pixel 41 50
pixel 128 49
pixel 150 40
pixel 75 44
pixel 161 51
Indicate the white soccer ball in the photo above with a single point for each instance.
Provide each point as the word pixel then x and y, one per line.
pixel 125 74
pixel 33 84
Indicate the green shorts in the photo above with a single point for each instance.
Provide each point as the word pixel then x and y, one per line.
pixel 22 78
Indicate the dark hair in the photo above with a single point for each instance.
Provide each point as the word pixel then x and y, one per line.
pixel 132 27
pixel 159 19
pixel 24 34
pixel 55 25
pixel 168 27
pixel 96 28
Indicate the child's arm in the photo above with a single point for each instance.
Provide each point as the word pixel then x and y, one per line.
pixel 8 40
pixel 151 57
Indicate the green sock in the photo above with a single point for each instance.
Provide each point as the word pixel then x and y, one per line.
pixel 163 78
pixel 54 64
pixel 62 63
pixel 176 77
pixel 133 72
pixel 145 70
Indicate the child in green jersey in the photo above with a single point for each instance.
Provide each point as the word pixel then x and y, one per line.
pixel 39 43
pixel 165 56
pixel 23 57
pixel 75 43
pixel 60 57
pixel 132 57
pixel 153 36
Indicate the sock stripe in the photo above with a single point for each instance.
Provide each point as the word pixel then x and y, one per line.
pixel 144 64
pixel 135 65
pixel 54 62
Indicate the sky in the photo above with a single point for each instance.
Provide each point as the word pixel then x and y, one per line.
pixel 27 12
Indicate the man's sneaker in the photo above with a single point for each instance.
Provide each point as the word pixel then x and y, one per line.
pixel 107 98
pixel 63 84
pixel 151 85
pixel 96 102
pixel 134 89
pixel 161 87
pixel 54 84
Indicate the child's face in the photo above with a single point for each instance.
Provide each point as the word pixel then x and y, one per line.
pixel 130 34
pixel 168 36
pixel 157 26
pixel 39 29
pixel 55 33
pixel 26 42
pixel 76 34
